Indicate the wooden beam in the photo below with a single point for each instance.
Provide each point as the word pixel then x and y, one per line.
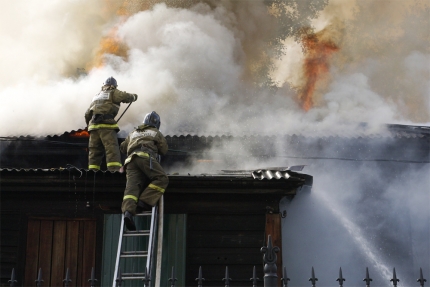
pixel 273 228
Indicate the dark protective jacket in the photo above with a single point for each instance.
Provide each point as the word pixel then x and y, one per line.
pixel 145 141
pixel 105 106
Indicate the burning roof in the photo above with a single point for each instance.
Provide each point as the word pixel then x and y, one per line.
pixel 202 154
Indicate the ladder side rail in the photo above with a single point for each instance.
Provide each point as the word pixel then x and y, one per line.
pixel 159 243
pixel 152 232
pixel 118 254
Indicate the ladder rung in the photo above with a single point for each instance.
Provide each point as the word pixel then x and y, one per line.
pixel 137 233
pixel 132 277
pixel 132 274
pixel 135 252
pixel 131 254
pixel 144 214
pixel 134 256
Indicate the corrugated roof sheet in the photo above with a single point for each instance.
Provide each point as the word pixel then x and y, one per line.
pixel 275 173
pixel 270 174
pixel 393 130
pixel 216 153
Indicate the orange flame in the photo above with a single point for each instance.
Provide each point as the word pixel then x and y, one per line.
pixel 80 134
pixel 316 64
pixel 111 44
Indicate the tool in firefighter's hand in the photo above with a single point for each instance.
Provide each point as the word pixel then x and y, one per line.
pixel 124 112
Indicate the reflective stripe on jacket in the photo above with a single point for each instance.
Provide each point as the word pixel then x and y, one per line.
pixel 106 102
pixel 144 142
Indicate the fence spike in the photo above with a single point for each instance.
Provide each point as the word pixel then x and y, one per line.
pixel 119 279
pixel 173 279
pixel 93 279
pixel 254 278
pixel 285 278
pixel 394 279
pixel 227 278
pixel 340 279
pixel 421 279
pixel 367 279
pixel 147 279
pixel 270 268
pixel 313 279
pixel 200 279
pixel 13 281
pixel 39 279
pixel 67 280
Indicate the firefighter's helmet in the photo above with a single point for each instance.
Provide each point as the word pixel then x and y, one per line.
pixel 152 119
pixel 110 82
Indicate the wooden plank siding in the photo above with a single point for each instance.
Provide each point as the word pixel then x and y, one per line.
pixel 215 241
pixel 58 253
pixel 112 223
pixel 222 221
pixel 33 235
pixel 72 247
pixel 273 228
pixel 88 252
pixel 174 248
pixel 57 244
pixel 45 249
pixel 110 248
pixel 10 239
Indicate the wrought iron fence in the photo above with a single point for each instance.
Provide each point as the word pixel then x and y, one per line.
pixel 270 274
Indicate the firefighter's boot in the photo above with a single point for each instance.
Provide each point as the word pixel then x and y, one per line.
pixel 129 222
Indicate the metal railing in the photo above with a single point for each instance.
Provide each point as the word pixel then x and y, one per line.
pixel 39 281
pixel 270 274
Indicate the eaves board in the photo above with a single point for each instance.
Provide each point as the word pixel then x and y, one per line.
pixel 74 180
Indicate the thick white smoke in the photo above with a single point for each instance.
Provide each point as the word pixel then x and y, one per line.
pixel 190 65
pixel 376 218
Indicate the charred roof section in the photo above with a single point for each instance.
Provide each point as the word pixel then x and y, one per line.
pixel 403 143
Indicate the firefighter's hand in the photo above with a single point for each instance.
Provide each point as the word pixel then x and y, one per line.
pixel 121 170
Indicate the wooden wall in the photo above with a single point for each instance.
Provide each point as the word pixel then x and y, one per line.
pixel 55 244
pixel 216 241
pixel 222 229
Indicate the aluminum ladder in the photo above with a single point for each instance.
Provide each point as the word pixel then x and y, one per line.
pixel 132 256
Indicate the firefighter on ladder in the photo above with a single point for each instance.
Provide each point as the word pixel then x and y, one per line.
pixel 103 127
pixel 143 147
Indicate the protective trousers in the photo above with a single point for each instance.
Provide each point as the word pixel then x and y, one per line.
pixel 139 173
pixel 104 138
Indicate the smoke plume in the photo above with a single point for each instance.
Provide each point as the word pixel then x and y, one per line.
pixel 200 65
pixel 249 68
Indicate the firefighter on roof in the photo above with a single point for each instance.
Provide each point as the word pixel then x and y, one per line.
pixel 103 127
pixel 143 147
